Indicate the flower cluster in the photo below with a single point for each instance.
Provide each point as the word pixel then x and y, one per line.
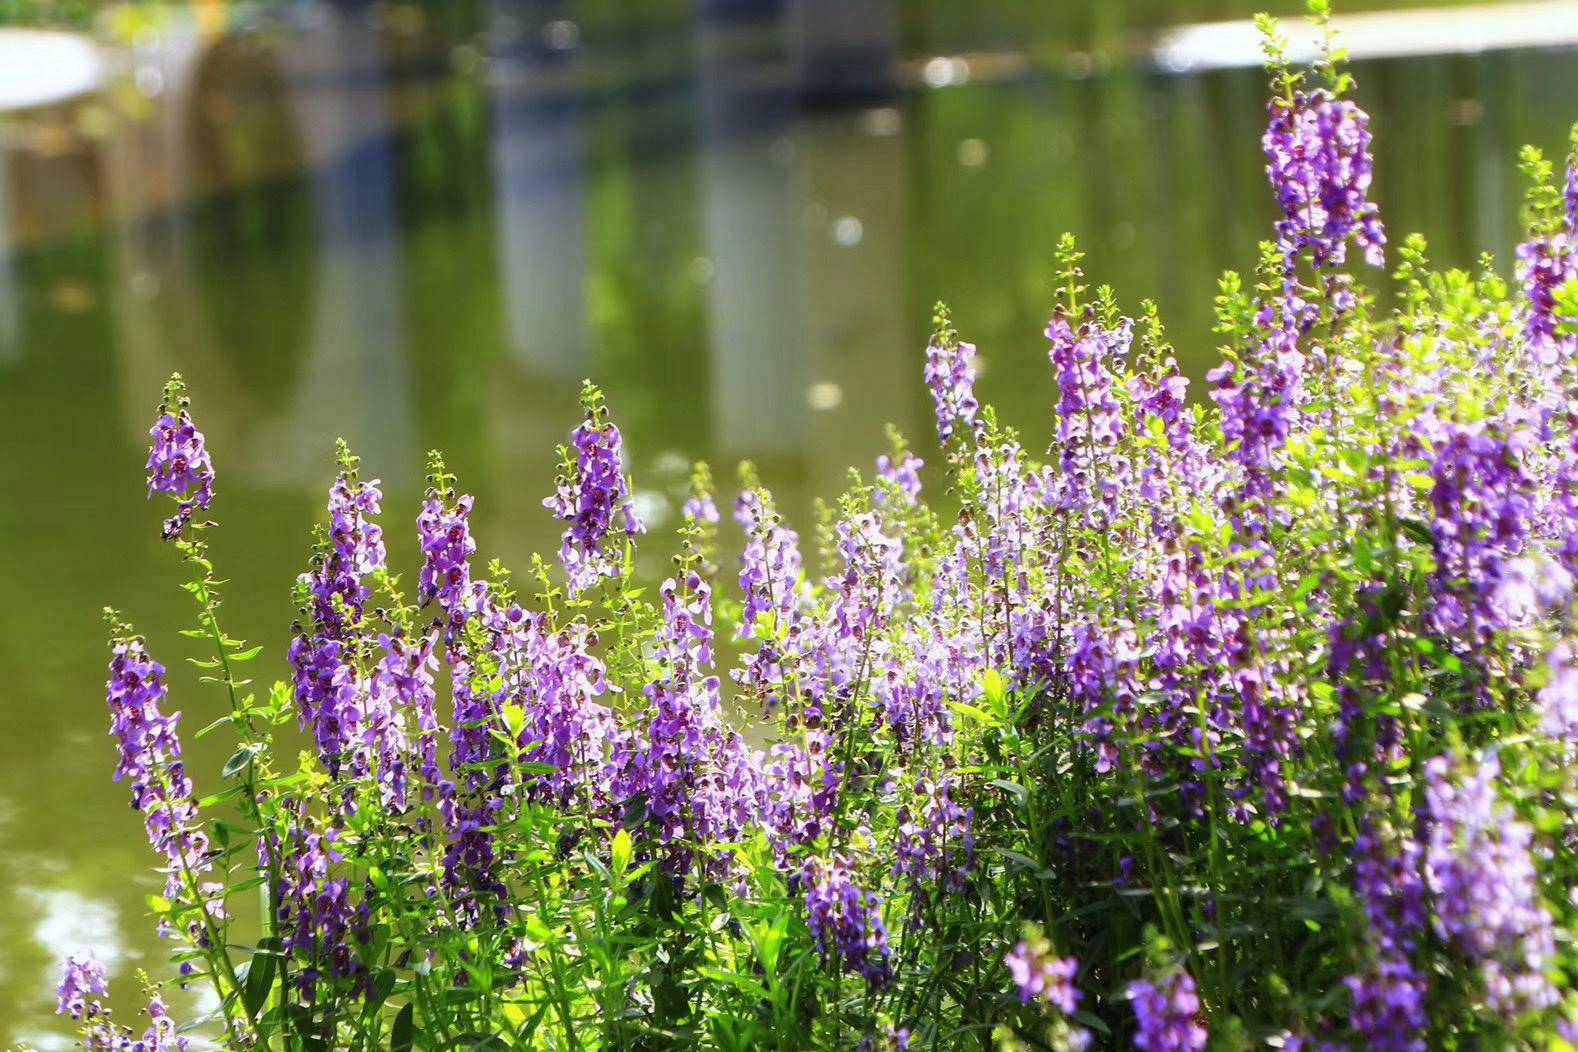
pixel 846 920
pixel 178 461
pixel 1166 1015
pixel 594 499
pixel 1318 148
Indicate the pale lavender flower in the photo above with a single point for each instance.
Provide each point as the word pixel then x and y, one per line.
pixel 902 470
pixel 1041 975
pixel 951 378
pixel 83 981
pixel 1559 697
pixel 1479 867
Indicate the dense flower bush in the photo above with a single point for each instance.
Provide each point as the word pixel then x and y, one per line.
pixel 1242 721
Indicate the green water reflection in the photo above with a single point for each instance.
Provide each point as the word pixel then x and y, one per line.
pixel 424 236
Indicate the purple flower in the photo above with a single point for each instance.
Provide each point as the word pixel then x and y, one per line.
pixel 684 725
pixel 951 378
pixel 178 461
pixel 82 978
pixel 402 683
pixel 769 564
pixel 150 758
pixel 444 531
pixel 1559 697
pixel 1482 501
pixel 1091 423
pixel 1167 1015
pixel 565 725
pixel 1040 974
pixel 1388 1006
pixel 594 499
pixel 1545 264
pixel 1320 167
pixel 892 1039
pixel 354 548
pixel 846 920
pixel 1479 867
pixel 936 837
pixel 318 922
pixel 902 471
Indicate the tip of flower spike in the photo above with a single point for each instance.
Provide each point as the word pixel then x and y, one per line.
pixel 347 460
pixel 175 399
pixel 592 399
pixel 120 629
pixel 943 334
pixel 1069 272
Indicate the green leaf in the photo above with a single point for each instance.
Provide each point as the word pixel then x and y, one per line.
pixel 239 761
pixel 260 979
pixel 620 853
pixel 403 1032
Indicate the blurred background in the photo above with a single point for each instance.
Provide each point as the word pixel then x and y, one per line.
pixel 420 226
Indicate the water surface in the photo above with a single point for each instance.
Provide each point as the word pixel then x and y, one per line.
pixel 421 228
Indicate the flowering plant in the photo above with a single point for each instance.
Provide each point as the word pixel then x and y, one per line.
pixel 1246 721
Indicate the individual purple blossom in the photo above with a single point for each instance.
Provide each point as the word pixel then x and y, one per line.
pixel 1041 975
pixel 1166 1014
pixel 594 499
pixel 1318 149
pixel 1479 867
pixel 846 920
pixel 178 460
pixel 82 979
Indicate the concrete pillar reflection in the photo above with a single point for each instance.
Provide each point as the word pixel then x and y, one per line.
pixel 751 214
pixel 357 363
pixel 539 165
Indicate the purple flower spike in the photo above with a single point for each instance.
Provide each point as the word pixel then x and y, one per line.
pixel 83 978
pixel 594 499
pixel 1167 1014
pixel 846 921
pixel 178 461
pixel 1320 167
